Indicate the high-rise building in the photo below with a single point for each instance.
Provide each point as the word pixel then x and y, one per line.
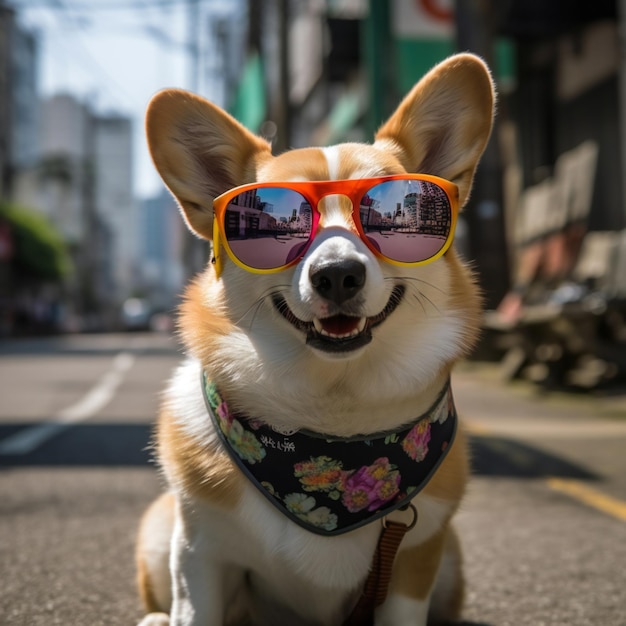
pixel 114 203
pixel 161 240
pixel 19 104
pixel 63 188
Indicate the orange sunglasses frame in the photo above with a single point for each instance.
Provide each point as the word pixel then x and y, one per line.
pixel 313 192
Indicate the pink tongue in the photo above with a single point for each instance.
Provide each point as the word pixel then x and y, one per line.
pixel 339 324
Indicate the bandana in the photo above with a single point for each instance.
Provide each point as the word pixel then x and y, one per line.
pixel 331 485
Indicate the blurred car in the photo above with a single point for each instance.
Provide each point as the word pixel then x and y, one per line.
pixel 136 314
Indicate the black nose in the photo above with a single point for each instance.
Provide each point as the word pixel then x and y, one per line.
pixel 338 281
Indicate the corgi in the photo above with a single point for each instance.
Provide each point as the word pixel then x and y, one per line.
pixel 315 408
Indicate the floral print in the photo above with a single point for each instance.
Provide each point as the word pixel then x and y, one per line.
pixel 443 409
pixel 415 444
pixel 370 487
pixel 243 442
pixel 301 505
pixel 321 473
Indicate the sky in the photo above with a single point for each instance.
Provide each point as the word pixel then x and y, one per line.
pixel 114 55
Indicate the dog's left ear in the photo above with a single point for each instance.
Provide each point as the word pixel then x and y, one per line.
pixel 200 152
pixel 443 124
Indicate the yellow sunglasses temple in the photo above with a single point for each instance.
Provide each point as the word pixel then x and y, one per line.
pixel 217 256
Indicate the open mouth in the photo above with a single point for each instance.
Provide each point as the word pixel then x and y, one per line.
pixel 339 333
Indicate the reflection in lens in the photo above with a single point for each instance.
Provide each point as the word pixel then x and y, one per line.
pixel 406 220
pixel 268 227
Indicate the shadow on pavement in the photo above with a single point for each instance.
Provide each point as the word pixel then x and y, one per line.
pixel 85 445
pixel 129 444
pixel 498 456
pixel 153 344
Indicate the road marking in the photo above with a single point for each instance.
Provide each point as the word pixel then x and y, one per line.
pixel 552 429
pixel 583 493
pixel 573 488
pixel 29 439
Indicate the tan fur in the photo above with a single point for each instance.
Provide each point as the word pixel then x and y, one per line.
pixel 198 470
pixel 457 595
pixel 452 138
pixel 163 510
pixel 464 294
pixel 415 569
pixel 450 479
pixel 220 144
pixel 203 318
pixel 440 128
pixel 312 166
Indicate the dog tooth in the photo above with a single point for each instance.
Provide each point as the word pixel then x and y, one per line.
pixel 360 327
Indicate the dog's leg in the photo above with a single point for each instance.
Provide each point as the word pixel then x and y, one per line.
pixel 153 555
pixel 449 593
pixel 412 583
pixel 155 619
pixel 196 579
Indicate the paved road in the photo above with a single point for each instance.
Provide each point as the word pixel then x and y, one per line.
pixel 543 527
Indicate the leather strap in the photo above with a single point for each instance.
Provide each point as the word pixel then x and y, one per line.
pixel 377 583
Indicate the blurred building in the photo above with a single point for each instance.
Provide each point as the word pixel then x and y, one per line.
pixel 563 152
pixel 62 188
pixel 161 247
pixel 82 182
pixel 569 59
pixel 19 105
pixel 113 201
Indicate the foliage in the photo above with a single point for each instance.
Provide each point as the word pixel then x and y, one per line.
pixel 39 251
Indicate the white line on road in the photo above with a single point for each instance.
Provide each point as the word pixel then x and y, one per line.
pixel 29 439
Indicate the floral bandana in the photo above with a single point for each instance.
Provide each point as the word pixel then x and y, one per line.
pixel 331 485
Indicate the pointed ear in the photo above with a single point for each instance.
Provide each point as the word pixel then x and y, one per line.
pixel 200 151
pixel 443 124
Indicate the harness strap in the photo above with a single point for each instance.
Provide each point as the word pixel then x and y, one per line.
pixel 377 583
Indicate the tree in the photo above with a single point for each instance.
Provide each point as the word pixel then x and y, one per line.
pixel 39 252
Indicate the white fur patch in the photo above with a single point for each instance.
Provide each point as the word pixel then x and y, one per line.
pixel 335 244
pixel 185 400
pixel 333 160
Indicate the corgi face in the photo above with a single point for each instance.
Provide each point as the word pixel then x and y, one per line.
pixel 340 293
pixel 341 317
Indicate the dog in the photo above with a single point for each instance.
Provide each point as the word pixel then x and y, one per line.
pixel 323 330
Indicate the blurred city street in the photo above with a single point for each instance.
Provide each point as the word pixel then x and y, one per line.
pixel 543 526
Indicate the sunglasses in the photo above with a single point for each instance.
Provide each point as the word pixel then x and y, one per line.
pixel 407 219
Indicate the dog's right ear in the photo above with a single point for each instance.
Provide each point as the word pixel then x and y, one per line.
pixel 443 124
pixel 200 152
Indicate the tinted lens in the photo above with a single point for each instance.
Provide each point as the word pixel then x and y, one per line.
pixel 268 227
pixel 406 220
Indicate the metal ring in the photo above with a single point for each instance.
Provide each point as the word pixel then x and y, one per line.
pixel 413 521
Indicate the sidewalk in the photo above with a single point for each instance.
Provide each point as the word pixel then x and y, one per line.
pixel 543 522
pixel 484 397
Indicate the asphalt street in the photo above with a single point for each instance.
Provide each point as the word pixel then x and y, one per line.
pixel 543 527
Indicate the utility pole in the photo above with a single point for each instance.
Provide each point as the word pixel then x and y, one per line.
pixel 622 94
pixel 282 113
pixel 376 52
pixel 193 42
pixel 476 22
pixel 196 251
pixel 7 18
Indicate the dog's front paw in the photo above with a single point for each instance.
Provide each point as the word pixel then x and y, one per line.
pixel 155 619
